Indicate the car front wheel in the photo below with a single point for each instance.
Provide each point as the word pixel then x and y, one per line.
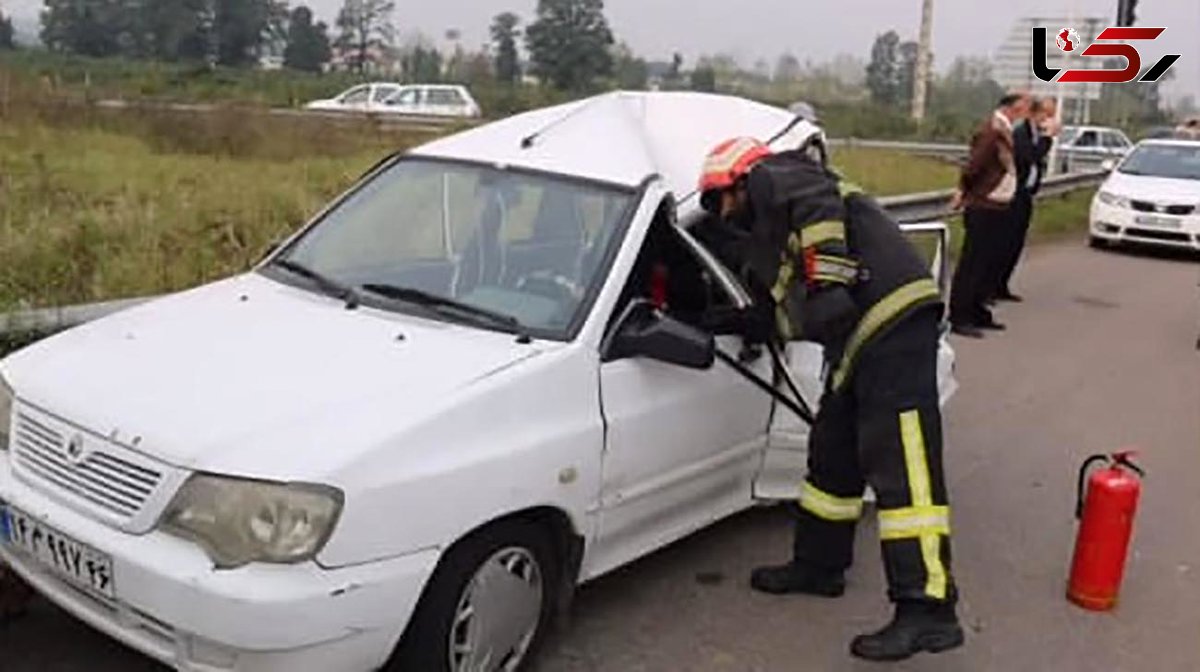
pixel 486 606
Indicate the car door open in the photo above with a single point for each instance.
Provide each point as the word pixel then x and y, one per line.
pixel 683 442
pixel 785 456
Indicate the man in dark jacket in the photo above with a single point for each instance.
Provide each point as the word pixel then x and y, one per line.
pixel 1032 140
pixel 842 275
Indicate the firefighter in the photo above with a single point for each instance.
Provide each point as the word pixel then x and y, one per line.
pixel 840 273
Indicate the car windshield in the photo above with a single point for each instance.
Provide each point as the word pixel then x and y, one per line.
pixel 1175 161
pixel 521 245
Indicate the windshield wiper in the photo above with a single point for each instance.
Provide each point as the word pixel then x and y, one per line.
pixel 443 304
pixel 329 285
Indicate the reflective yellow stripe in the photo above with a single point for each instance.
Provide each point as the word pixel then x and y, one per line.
pixel 879 315
pixel 822 232
pixel 913 523
pixel 914 458
pixel 783 323
pixel 783 281
pixel 923 521
pixel 834 269
pixel 848 188
pixel 829 507
pixel 840 261
pixel 935 582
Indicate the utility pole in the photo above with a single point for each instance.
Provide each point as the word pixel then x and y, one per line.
pixel 924 62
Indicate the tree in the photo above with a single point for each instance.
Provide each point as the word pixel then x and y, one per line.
pixel 762 70
pixel 92 28
pixel 365 25
pixel 504 37
pixel 967 92
pixel 704 78
pixel 788 69
pixel 479 69
pixel 883 72
pixel 422 64
pixel 307 43
pixel 676 67
pixel 173 30
pixel 632 72
pixel 569 43
pixel 7 39
pixel 240 28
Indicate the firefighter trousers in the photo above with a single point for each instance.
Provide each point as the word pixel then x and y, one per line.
pixel 883 428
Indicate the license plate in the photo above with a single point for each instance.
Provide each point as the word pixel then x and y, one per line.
pixel 76 562
pixel 1161 222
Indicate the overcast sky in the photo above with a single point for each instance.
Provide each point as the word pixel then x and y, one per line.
pixel 811 29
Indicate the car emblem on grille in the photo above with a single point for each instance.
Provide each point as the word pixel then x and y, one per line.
pixel 75 452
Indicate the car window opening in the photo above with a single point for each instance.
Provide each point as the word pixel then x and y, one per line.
pixel 668 274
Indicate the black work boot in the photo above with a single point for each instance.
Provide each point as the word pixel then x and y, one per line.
pixel 797 578
pixel 916 627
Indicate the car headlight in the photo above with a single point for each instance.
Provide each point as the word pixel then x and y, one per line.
pixel 6 409
pixel 239 521
pixel 1109 198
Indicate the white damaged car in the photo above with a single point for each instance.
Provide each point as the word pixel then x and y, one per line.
pixel 404 438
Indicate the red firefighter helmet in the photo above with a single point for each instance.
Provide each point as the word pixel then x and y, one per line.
pixel 729 162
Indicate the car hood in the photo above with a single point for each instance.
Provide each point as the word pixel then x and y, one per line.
pixel 1164 190
pixel 192 376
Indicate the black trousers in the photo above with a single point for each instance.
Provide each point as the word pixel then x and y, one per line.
pixel 1014 244
pixel 979 264
pixel 885 429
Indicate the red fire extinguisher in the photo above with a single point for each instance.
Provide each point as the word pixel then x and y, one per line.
pixel 1106 525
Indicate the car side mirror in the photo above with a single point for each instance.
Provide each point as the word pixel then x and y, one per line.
pixel 645 331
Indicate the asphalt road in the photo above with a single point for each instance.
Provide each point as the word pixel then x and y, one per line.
pixel 1101 356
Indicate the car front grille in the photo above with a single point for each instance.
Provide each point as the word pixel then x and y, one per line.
pixel 88 472
pixel 1147 206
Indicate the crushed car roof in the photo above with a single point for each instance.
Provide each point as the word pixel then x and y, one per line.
pixel 621 137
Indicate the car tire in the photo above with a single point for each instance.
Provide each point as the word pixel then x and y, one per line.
pixel 439 637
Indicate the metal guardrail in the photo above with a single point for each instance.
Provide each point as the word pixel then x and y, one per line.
pixel 908 208
pixel 1070 161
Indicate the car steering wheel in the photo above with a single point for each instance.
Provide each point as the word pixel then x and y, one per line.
pixel 551 285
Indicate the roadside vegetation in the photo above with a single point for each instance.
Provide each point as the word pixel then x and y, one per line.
pixel 103 204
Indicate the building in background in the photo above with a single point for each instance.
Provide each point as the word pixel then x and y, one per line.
pixel 1013 62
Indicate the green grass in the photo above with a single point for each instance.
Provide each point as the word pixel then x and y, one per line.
pixel 88 215
pixel 99 205
pixel 887 173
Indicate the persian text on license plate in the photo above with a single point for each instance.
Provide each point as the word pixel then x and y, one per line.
pixel 75 561
pixel 1161 222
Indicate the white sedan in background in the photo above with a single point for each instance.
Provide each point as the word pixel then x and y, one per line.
pixel 405 437
pixel 383 98
pixel 1151 198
